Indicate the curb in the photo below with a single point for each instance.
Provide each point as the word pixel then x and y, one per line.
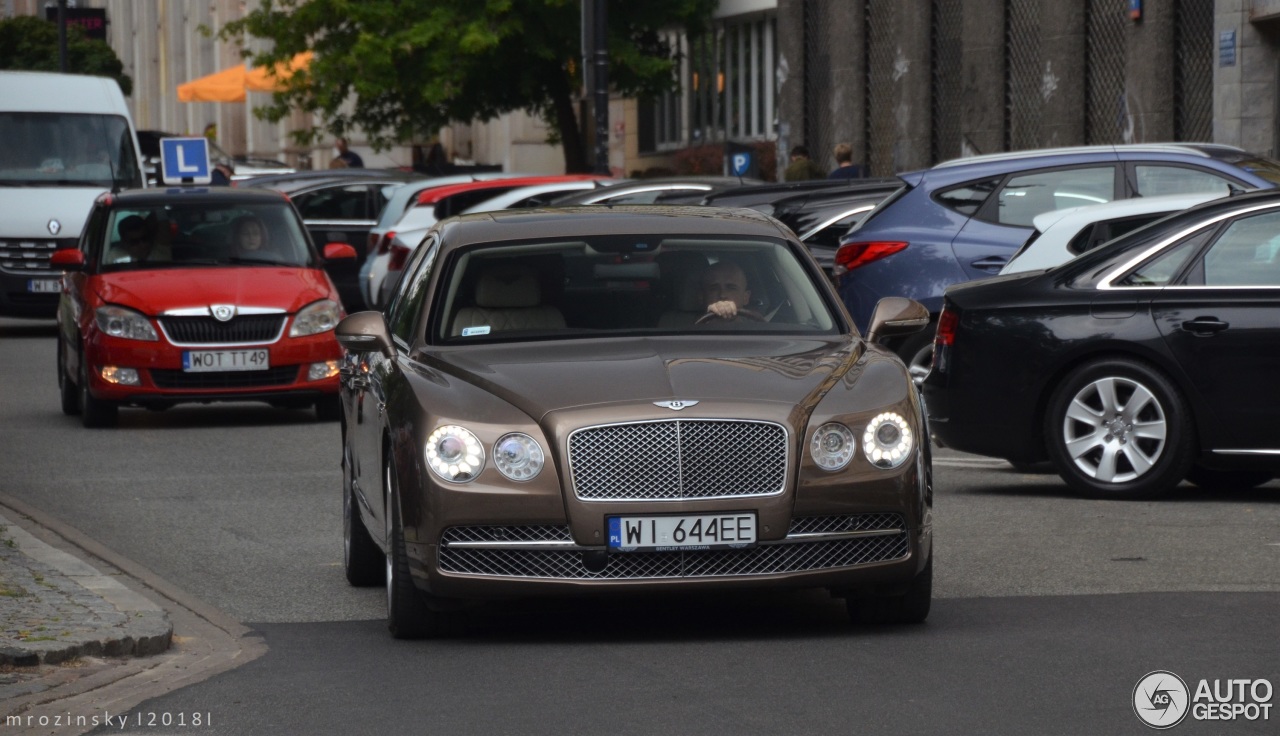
pixel 55 607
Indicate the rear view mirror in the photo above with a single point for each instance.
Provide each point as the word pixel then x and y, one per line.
pixel 67 259
pixel 339 252
pixel 365 332
pixel 896 316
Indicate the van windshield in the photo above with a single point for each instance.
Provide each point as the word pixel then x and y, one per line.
pixel 67 150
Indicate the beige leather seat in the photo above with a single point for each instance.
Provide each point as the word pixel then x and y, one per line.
pixel 684 272
pixel 508 298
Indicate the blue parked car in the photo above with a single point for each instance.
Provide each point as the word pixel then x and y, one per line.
pixel 964 219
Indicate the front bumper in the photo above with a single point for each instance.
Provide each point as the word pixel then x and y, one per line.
pixel 162 380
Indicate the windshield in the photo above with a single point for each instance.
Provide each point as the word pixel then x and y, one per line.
pixel 189 235
pixel 609 285
pixel 67 150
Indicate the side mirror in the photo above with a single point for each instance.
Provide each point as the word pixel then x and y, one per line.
pixel 896 316
pixel 339 252
pixel 67 259
pixel 365 332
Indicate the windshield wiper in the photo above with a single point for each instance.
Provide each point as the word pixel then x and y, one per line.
pixel 262 262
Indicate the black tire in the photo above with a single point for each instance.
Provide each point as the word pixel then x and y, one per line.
pixel 912 607
pixel 408 616
pixel 1138 443
pixel 362 561
pixel 95 413
pixel 917 352
pixel 328 409
pixel 67 387
pixel 1212 479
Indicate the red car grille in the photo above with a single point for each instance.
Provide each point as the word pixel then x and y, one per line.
pixel 255 328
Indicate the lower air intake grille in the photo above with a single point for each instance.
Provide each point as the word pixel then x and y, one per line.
pixel 227 379
pixel 766 559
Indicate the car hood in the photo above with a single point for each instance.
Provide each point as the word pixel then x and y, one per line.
pixel 272 287
pixel 27 212
pixel 539 379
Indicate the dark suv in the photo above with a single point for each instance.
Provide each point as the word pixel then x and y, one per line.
pixel 963 219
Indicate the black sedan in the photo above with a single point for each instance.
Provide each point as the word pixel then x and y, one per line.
pixel 1150 360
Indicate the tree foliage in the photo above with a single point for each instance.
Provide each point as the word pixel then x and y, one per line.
pixel 401 69
pixel 31 44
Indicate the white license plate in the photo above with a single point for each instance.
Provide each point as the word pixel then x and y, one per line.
pixel 44 286
pixel 703 531
pixel 200 361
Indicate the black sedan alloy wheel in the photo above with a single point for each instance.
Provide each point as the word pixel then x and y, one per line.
pixel 1115 429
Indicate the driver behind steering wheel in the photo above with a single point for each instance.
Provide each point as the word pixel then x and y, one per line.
pixel 724 289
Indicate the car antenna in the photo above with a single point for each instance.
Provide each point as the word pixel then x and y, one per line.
pixel 1235 191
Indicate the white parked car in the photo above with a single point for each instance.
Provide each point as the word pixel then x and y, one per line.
pixel 1064 234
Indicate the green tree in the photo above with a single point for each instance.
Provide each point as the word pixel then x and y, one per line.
pixel 30 43
pixel 402 69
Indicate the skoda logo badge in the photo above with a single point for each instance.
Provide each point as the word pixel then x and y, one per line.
pixel 54 227
pixel 223 312
pixel 674 405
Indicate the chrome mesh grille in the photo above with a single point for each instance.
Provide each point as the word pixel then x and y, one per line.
pixel 678 459
pixel 766 559
pixel 253 328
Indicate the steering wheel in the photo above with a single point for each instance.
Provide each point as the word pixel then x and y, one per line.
pixel 750 314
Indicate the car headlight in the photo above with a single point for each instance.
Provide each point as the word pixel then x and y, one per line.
pixel 887 441
pixel 518 456
pixel 832 446
pixel 454 454
pixel 126 323
pixel 312 319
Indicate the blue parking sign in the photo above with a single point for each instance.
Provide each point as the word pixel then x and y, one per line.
pixel 185 160
pixel 740 163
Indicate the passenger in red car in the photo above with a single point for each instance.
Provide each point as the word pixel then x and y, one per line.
pixel 249 235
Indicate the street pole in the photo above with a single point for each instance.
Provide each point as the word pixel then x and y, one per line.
pixel 62 36
pixel 600 78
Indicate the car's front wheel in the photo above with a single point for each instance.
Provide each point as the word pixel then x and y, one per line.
pixel 95 412
pixel 1117 428
pixel 361 558
pixel 67 387
pixel 917 352
pixel 408 616
pixel 911 607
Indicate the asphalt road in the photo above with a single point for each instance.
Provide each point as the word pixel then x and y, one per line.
pixel 1048 608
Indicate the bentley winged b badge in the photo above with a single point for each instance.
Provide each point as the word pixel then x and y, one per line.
pixel 674 405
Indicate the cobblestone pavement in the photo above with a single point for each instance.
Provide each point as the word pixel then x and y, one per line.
pixel 60 616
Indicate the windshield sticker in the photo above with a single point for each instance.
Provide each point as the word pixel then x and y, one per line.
pixel 469 331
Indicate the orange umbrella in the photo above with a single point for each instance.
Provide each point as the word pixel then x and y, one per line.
pixel 229 85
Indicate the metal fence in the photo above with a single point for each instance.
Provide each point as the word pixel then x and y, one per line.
pixel 819 127
pixel 1024 103
pixel 947 80
pixel 1107 115
pixel 880 43
pixel 1193 70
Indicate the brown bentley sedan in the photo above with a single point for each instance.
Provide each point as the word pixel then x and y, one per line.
pixel 596 399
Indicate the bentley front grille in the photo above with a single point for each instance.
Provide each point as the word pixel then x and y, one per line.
pixel 246 329
pixel 549 553
pixel 678 459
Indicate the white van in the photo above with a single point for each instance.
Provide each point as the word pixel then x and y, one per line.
pixel 64 139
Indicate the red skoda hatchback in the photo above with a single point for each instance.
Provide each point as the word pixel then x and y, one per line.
pixel 196 295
